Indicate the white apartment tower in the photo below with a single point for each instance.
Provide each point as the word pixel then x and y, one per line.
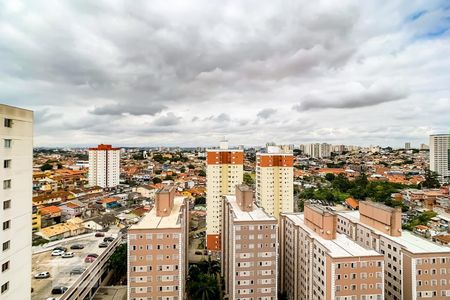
pixel 439 154
pixel 224 170
pixel 274 181
pixel 104 166
pixel 16 152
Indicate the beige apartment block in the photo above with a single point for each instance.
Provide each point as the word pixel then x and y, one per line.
pixel 157 251
pixel 275 181
pixel 16 153
pixel 439 155
pixel 318 263
pixel 415 268
pixel 249 248
pixel 104 166
pixel 224 170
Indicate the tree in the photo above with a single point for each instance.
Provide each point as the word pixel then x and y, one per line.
pixel 431 180
pixel 182 169
pixel 168 177
pixel 191 167
pixel 118 262
pixel 330 177
pixel 248 179
pixel 46 167
pixel 156 180
pixel 202 173
pixel 200 200
pixel 204 288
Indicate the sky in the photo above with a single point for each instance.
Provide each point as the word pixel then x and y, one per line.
pixel 188 73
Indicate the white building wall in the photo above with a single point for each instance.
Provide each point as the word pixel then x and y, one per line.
pixel 20 155
pixel 104 168
pixel 439 155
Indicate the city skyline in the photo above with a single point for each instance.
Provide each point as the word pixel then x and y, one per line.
pixel 186 75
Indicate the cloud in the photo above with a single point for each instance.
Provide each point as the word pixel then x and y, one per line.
pixel 167 120
pixel 359 96
pixel 266 113
pixel 137 110
pixel 116 71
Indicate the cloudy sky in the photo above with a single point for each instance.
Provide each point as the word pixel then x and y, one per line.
pixel 190 72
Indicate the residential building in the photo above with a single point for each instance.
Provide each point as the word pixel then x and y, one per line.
pixel 318 150
pixel 16 152
pixel 249 248
pixel 439 155
pixel 316 262
pixel 224 170
pixel 275 181
pixel 407 146
pixel 424 147
pixel 415 268
pixel 36 219
pixel 104 166
pixel 157 251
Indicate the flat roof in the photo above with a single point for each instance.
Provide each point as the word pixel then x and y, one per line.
pixel 257 213
pixel 408 240
pixel 152 221
pixel 342 246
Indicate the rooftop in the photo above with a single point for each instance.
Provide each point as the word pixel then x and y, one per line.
pixel 408 240
pixel 342 246
pixel 257 213
pixel 151 221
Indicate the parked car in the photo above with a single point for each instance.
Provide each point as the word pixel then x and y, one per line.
pixel 90 258
pixel 77 271
pixel 99 234
pixel 64 249
pixel 76 246
pixel 67 255
pixel 57 290
pixel 198 253
pixel 108 239
pixel 42 275
pixel 103 245
pixel 57 252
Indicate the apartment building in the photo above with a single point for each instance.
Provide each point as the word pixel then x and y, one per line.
pixel 104 166
pixel 318 150
pixel 157 251
pixel 318 263
pixel 440 155
pixel 275 181
pixel 415 268
pixel 16 153
pixel 249 248
pixel 224 170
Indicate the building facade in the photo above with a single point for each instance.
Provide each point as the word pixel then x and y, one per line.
pixel 318 150
pixel 16 152
pixel 104 166
pixel 275 181
pixel 224 170
pixel 415 268
pixel 318 263
pixel 157 251
pixel 439 155
pixel 249 248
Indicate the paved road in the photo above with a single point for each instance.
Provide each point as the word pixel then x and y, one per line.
pixel 60 268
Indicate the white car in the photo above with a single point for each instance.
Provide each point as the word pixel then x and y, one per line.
pixel 67 255
pixel 57 252
pixel 42 275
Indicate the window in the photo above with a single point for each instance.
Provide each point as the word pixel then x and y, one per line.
pixel 5 287
pixel 7 163
pixel 6 184
pixel 8 123
pixel 6 204
pixel 7 143
pixel 6 245
pixel 6 224
pixel 5 266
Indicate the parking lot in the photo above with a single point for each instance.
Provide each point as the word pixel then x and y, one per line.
pixel 60 268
